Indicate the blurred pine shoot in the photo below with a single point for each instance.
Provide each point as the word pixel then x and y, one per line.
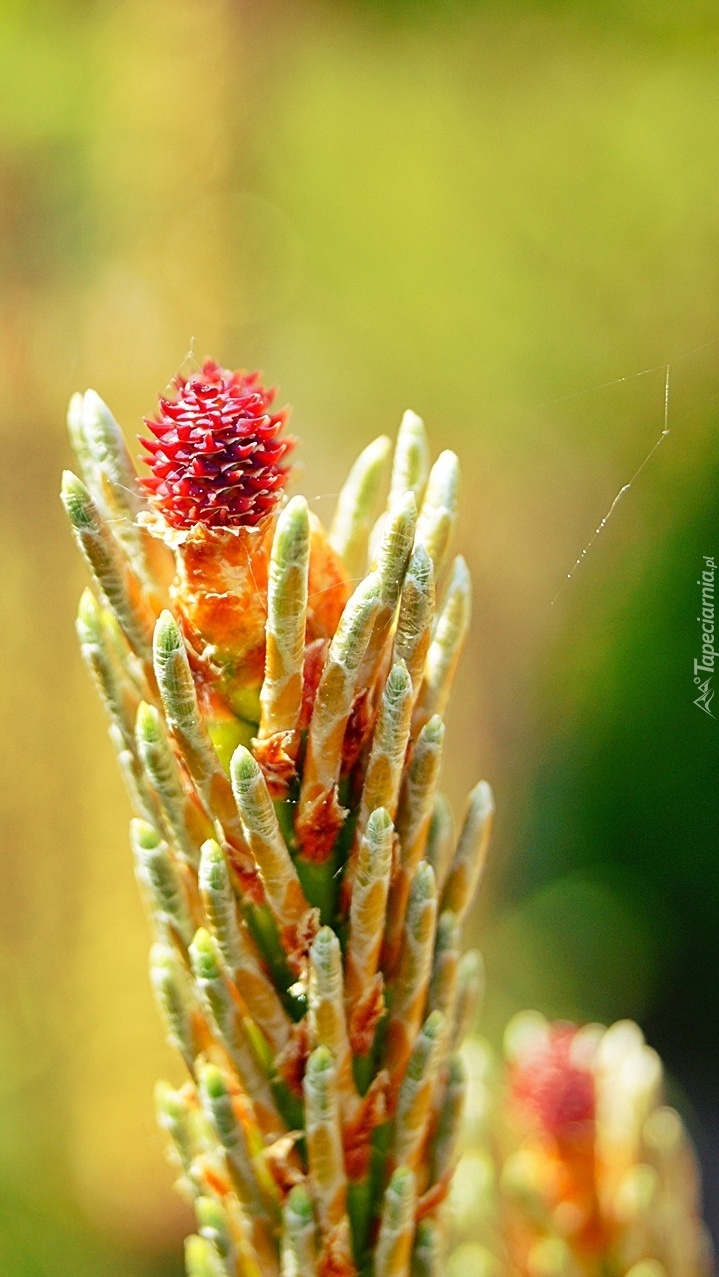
pixel 574 1165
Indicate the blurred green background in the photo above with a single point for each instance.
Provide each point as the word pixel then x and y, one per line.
pixel 505 216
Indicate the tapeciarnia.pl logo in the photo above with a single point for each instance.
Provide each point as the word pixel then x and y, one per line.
pixel 705 666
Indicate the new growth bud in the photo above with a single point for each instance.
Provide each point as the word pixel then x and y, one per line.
pixel 275 695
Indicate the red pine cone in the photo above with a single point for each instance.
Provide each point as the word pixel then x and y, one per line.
pixel 216 456
pixel 554 1091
